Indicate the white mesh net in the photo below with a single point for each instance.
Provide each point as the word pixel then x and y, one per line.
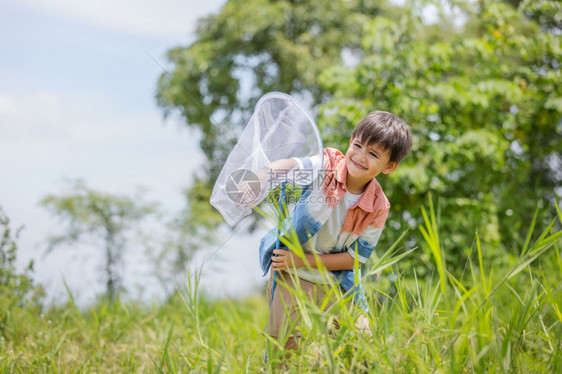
pixel 280 128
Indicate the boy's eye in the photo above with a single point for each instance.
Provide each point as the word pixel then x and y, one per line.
pixel 373 154
pixel 357 145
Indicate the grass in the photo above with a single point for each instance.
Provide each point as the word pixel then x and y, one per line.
pixel 486 319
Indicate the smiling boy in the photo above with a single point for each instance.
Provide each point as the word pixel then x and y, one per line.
pixel 337 223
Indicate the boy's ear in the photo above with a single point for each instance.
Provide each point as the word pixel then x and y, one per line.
pixel 390 167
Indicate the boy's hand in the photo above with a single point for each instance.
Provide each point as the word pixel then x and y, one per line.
pixel 283 259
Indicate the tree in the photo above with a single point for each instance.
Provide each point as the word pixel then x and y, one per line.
pixel 250 48
pixel 16 288
pixel 104 217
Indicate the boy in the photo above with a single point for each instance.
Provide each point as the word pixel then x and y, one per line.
pixel 338 222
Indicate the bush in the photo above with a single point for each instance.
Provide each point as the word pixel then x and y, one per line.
pixel 17 290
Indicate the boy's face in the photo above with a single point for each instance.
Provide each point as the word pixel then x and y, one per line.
pixel 365 161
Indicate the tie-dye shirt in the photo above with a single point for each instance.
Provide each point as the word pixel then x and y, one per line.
pixel 362 226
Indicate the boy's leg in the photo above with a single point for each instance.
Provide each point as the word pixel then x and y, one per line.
pixel 285 316
pixel 283 310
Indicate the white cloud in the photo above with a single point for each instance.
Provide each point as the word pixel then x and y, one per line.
pixel 162 19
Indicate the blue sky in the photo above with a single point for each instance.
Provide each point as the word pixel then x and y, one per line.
pixel 77 86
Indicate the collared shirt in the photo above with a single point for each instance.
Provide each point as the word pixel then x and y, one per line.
pixel 361 229
pixel 327 240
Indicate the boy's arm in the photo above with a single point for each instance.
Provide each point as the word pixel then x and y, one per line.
pixel 271 171
pixel 280 165
pixel 285 259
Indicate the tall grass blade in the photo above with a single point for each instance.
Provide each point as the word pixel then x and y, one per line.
pixel 481 265
pixel 460 304
pixel 166 346
pixel 537 250
pixel 388 258
pixel 431 236
pixel 68 292
pixel 530 233
pixel 558 211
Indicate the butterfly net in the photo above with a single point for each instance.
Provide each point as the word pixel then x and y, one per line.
pixel 280 128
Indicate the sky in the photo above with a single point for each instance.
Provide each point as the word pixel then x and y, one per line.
pixel 77 100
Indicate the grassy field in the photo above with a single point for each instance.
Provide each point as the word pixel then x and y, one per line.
pixel 488 319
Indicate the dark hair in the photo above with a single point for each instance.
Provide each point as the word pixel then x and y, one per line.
pixel 386 129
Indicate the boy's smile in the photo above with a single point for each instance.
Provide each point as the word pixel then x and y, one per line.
pixel 364 162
